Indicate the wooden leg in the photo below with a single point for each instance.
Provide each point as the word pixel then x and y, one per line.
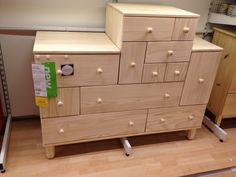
pixel 191 134
pixel 50 152
pixel 218 120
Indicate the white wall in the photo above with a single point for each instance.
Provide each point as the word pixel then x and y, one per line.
pixel 17 49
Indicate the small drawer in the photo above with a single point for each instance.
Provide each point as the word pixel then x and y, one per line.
pixel 177 118
pixel 232 88
pixel 184 29
pixel 75 128
pixel 153 73
pixel 176 71
pixel 168 51
pixel 88 69
pixel 65 104
pixel 129 97
pixel 147 29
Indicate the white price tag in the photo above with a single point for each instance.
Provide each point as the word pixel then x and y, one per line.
pixel 40 85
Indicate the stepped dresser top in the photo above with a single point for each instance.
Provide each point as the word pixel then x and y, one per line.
pixel 201 45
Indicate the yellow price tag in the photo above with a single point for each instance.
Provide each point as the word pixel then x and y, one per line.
pixel 41 101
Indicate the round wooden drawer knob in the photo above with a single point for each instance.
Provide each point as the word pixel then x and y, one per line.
pixel 99 71
pixel 61 130
pixel 200 80
pixel 47 57
pixel 66 57
pixel 155 73
pixel 149 29
pixel 59 72
pixel 186 29
pixel 177 72
pixel 163 120
pixel 170 52
pixel 190 117
pixel 131 123
pixel 99 100
pixel 167 95
pixel 133 64
pixel 59 103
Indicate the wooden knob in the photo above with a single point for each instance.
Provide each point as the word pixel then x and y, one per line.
pixel 99 71
pixel 191 117
pixel 163 120
pixel 66 57
pixel 201 80
pixel 155 73
pixel 59 72
pixel 132 64
pixel 59 103
pixel 186 29
pixel 167 95
pixel 99 100
pixel 47 56
pixel 177 72
pixel 170 52
pixel 131 123
pixel 149 29
pixel 61 130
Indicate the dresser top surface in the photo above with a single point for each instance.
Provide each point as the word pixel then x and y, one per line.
pixel 200 45
pixel 151 10
pixel 73 43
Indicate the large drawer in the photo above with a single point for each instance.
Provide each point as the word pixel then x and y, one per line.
pixel 128 97
pixel 75 128
pixel 88 69
pixel 65 104
pixel 147 29
pixel 168 51
pixel 177 118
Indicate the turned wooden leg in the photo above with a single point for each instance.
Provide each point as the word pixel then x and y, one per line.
pixel 191 134
pixel 218 120
pixel 50 152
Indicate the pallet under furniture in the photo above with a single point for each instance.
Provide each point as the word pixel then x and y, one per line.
pixel 144 75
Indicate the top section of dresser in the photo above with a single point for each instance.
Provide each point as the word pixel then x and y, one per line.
pixel 150 10
pixel 73 43
pixel 201 45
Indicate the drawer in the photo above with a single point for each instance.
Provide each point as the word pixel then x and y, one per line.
pixel 229 109
pixel 184 29
pixel 75 128
pixel 153 73
pixel 176 71
pixel 131 64
pixel 168 51
pixel 88 69
pixel 128 97
pixel 65 104
pixel 177 118
pixel 232 88
pixel 147 29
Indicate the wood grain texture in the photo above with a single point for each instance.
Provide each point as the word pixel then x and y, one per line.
pixel 132 53
pixel 180 24
pixel 69 97
pixel 85 69
pixel 92 126
pixel 153 73
pixel 232 88
pixel 73 43
pixel 129 97
pixel 136 29
pixel 200 77
pixel 158 51
pixel 176 71
pixel 229 109
pixel 164 119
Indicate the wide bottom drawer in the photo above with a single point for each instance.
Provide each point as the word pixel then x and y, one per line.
pixel 176 118
pixel 75 128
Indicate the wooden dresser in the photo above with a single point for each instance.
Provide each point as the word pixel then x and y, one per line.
pixel 222 102
pixel 142 76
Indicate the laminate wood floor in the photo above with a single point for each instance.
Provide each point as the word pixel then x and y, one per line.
pixel 160 155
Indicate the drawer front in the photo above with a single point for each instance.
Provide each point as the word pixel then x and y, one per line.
pixel 93 126
pixel 65 104
pixel 147 29
pixel 88 69
pixel 168 51
pixel 232 88
pixel 131 64
pixel 229 109
pixel 200 77
pixel 153 73
pixel 128 97
pixel 176 71
pixel 184 29
pixel 177 118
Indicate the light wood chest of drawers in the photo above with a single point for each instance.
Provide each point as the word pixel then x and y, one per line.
pixel 142 76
